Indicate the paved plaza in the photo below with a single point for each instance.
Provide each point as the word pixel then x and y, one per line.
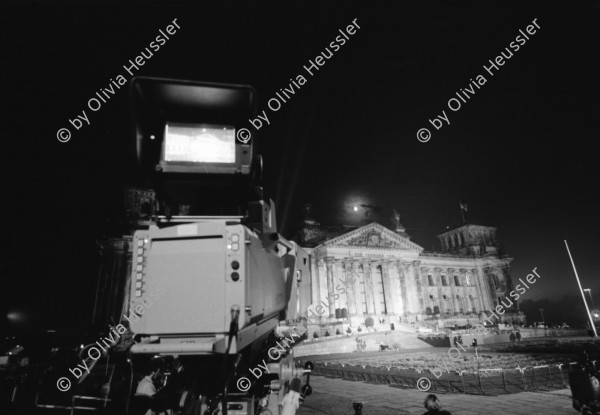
pixel 335 396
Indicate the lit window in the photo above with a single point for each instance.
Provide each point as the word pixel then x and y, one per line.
pixel 496 281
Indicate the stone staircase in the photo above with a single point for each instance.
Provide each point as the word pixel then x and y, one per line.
pixel 347 344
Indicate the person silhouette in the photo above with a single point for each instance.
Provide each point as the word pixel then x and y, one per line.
pixel 432 404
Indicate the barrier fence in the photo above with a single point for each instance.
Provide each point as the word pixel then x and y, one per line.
pixel 484 381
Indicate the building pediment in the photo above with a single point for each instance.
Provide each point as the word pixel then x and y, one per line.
pixel 373 236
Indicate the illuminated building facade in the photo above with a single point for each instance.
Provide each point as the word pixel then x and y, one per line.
pixel 390 278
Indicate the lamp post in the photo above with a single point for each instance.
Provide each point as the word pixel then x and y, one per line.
pixel 587 309
pixel 589 291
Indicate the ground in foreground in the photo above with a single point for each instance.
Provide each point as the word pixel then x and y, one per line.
pixel 335 397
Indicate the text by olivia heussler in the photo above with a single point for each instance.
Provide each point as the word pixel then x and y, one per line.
pixel 104 344
pixel 463 95
pixel 275 353
pixel 515 294
pixel 424 384
pixel 104 94
pixel 276 102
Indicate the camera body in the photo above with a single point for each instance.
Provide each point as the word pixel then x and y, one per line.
pixel 202 273
pixel 212 286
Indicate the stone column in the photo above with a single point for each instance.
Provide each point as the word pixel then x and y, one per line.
pixel 375 284
pixel 330 286
pixel 395 294
pixel 368 286
pixel 387 288
pixel 489 292
pixel 437 274
pixel 348 277
pixel 427 302
pixel 322 282
pixel 357 295
pixel 338 279
pixel 491 272
pixel 315 295
pixel 411 281
pixel 454 302
pixel 480 292
pixel 465 290
pixel 402 275
pixel 492 286
pixel 416 266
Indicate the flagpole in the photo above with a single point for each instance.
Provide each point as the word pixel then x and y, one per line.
pixel 581 289
pixel 462 212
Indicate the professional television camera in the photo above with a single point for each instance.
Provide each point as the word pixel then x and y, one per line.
pixel 211 287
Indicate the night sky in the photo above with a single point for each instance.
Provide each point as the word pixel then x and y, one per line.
pixel 521 152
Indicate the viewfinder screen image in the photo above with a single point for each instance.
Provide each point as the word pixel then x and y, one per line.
pixel 199 143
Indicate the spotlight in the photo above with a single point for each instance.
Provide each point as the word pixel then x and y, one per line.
pixel 355 208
